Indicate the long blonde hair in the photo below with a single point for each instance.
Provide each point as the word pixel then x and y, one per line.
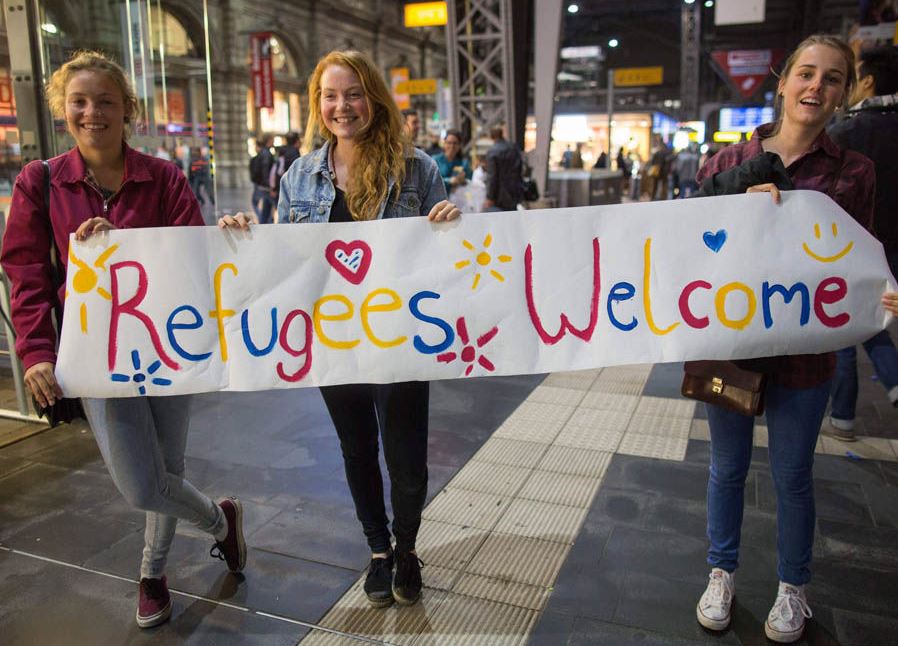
pixel 86 60
pixel 382 143
pixel 818 39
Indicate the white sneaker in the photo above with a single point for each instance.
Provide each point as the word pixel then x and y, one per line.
pixel 713 609
pixel 787 617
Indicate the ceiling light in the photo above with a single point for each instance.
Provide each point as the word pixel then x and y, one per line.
pixel 50 28
pixel 573 8
pixel 689 1
pixel 709 3
pixel 614 42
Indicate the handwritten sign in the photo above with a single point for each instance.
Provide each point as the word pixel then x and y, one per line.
pixel 189 309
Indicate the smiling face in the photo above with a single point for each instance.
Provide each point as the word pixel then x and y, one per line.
pixel 95 111
pixel 814 86
pixel 344 107
pixel 451 146
pixel 827 258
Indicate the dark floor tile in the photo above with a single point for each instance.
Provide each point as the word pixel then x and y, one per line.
pixel 750 613
pixel 657 604
pixel 866 546
pixel 274 583
pixel 42 441
pixel 551 629
pixel 588 632
pixel 666 555
pixel 677 515
pixel 860 629
pixel 850 586
pixel 838 501
pixel 322 483
pixel 620 506
pixel 883 501
pixel 890 473
pixel 837 468
pixel 661 476
pixel 664 380
pixel 321 533
pixel 72 537
pixel 588 585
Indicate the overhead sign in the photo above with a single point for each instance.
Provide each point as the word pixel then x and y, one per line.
pixel 179 310
pixel 426 14
pixel 739 12
pixel 260 67
pixel 417 86
pixel 746 69
pixel 586 51
pixel 398 76
pixel 634 76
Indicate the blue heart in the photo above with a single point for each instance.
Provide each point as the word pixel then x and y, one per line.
pixel 714 241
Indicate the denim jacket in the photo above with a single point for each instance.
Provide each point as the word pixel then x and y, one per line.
pixel 307 190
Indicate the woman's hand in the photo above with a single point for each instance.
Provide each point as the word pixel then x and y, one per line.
pixel 890 302
pixel 443 212
pixel 237 221
pixel 42 383
pixel 92 226
pixel 766 188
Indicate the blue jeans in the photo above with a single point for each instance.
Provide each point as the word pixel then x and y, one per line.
pixel 793 423
pixel 142 440
pixel 884 356
pixel 263 204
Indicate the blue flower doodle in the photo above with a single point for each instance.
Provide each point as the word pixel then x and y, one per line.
pixel 138 377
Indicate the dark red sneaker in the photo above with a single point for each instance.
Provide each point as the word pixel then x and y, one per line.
pixel 232 549
pixel 154 603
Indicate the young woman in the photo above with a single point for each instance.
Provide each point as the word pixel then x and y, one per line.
pixel 817 80
pixel 366 170
pixel 99 185
pixel 455 169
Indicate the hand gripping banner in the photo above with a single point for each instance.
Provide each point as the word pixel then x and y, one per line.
pixel 190 309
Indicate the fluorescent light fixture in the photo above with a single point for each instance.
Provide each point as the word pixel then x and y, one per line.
pixel 589 51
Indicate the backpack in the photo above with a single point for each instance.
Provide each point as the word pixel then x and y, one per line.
pixel 257 170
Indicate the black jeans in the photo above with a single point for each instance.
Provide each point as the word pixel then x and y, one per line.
pixel 398 412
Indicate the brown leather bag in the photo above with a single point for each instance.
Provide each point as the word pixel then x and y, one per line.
pixel 723 383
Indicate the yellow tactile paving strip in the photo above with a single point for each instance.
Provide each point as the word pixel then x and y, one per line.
pixel 495 538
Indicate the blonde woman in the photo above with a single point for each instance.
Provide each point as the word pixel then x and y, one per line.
pixel 366 170
pixel 98 185
pixel 794 152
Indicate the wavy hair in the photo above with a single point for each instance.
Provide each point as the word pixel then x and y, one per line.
pixel 833 42
pixel 382 144
pixel 87 60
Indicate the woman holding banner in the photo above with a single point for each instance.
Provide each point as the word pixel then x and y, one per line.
pixel 99 185
pixel 366 170
pixel 793 152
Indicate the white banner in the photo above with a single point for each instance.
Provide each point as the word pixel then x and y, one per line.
pixel 188 309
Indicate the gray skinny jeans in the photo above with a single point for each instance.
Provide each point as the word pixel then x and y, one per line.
pixel 142 440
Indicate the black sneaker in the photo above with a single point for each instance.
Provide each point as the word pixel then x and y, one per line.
pixel 379 582
pixel 407 580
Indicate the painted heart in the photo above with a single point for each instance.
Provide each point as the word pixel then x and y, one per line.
pixel 714 241
pixel 350 259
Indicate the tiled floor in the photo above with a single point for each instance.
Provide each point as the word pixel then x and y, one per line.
pixel 564 510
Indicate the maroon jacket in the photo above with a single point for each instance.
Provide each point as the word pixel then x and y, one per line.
pixel 154 193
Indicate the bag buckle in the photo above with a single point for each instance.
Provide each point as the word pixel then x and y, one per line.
pixel 717 385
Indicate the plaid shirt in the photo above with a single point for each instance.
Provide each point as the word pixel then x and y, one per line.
pixel 848 178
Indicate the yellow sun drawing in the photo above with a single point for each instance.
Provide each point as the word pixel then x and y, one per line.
pixel 482 260
pixel 86 279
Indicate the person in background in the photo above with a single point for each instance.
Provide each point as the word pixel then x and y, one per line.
pixel 99 185
pixel 367 170
pixel 504 170
pixel 259 172
pixel 455 169
pixel 434 149
pixel 412 125
pixel 200 177
pixel 601 161
pixel 871 128
pixel 287 154
pixel 577 157
pixel 795 152
pixel 685 168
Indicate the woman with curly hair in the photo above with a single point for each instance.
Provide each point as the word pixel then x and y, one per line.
pixel 367 169
pixel 99 185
